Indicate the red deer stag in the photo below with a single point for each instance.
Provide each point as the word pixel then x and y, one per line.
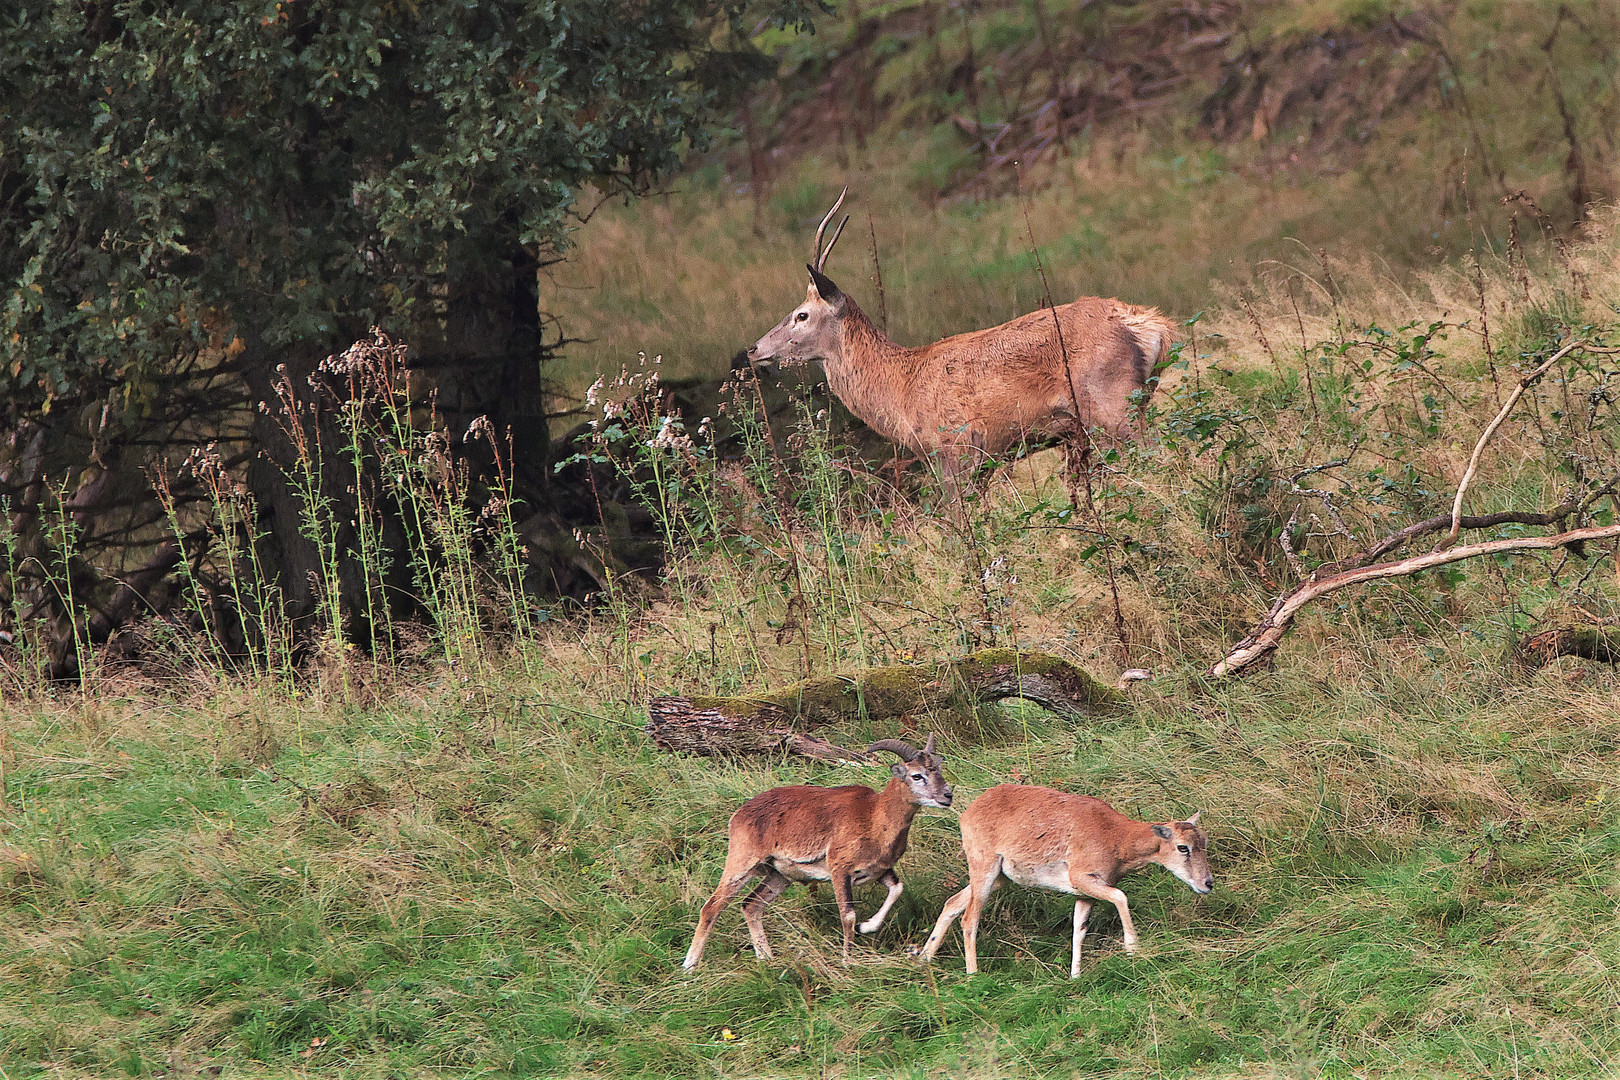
pixel 1054 373
pixel 846 835
pixel 1073 843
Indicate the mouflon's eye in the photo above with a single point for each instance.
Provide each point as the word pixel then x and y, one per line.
pixel 916 776
pixel 803 315
pixel 1182 848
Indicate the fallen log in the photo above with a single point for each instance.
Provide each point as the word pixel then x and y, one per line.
pixel 782 719
pixel 1587 642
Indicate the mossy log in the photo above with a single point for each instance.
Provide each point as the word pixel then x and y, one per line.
pixel 1588 642
pixel 781 720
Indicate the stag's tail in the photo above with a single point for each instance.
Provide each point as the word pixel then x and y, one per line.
pixel 1153 332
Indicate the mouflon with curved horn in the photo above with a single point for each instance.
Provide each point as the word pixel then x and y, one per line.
pixel 1064 371
pixel 846 835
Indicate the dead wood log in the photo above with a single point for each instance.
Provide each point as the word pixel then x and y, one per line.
pixel 1587 642
pixel 782 719
pixel 1263 641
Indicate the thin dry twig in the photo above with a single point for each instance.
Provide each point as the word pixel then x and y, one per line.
pixel 1326 497
pixel 1287 542
pixel 1479 447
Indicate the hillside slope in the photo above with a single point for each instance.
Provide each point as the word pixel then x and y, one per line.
pixel 477 864
pixel 1161 151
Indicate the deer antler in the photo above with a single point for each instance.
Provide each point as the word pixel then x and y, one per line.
pixel 822 253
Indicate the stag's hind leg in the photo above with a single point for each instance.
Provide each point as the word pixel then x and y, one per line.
pixel 753 910
pixel 732 879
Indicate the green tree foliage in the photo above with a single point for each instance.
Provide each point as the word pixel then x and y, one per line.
pixel 301 169
pixel 195 193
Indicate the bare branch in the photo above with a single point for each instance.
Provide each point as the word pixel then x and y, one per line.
pixel 1479 448
pixel 1268 635
pixel 1286 540
pixel 1400 537
pixel 1326 497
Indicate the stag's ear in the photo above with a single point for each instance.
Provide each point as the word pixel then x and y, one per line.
pixel 1161 832
pixel 824 286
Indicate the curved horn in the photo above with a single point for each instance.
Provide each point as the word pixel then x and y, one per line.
pixel 821 254
pixel 904 751
pixel 928 747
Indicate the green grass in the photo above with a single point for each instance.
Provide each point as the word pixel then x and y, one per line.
pixel 1410 881
pixel 481 866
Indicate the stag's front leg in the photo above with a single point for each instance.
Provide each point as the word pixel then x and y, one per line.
pixel 892 880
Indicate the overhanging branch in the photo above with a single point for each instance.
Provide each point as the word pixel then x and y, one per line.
pixel 1259 645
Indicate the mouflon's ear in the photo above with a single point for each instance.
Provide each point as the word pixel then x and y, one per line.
pixel 824 285
pixel 1161 832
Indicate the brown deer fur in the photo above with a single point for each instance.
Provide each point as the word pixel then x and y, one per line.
pixel 976 394
pixel 846 835
pixel 1073 843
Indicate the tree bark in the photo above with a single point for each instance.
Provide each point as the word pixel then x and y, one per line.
pixel 780 720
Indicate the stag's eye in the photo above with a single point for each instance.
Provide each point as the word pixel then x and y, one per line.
pixel 1182 848
pixel 803 315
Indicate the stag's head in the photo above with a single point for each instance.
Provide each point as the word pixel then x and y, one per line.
pixel 919 770
pixel 814 329
pixel 1184 851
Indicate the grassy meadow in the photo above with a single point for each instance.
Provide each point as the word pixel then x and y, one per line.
pixel 469 860
pixel 475 863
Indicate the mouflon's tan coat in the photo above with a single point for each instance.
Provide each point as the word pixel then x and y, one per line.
pixel 1072 843
pixel 845 835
